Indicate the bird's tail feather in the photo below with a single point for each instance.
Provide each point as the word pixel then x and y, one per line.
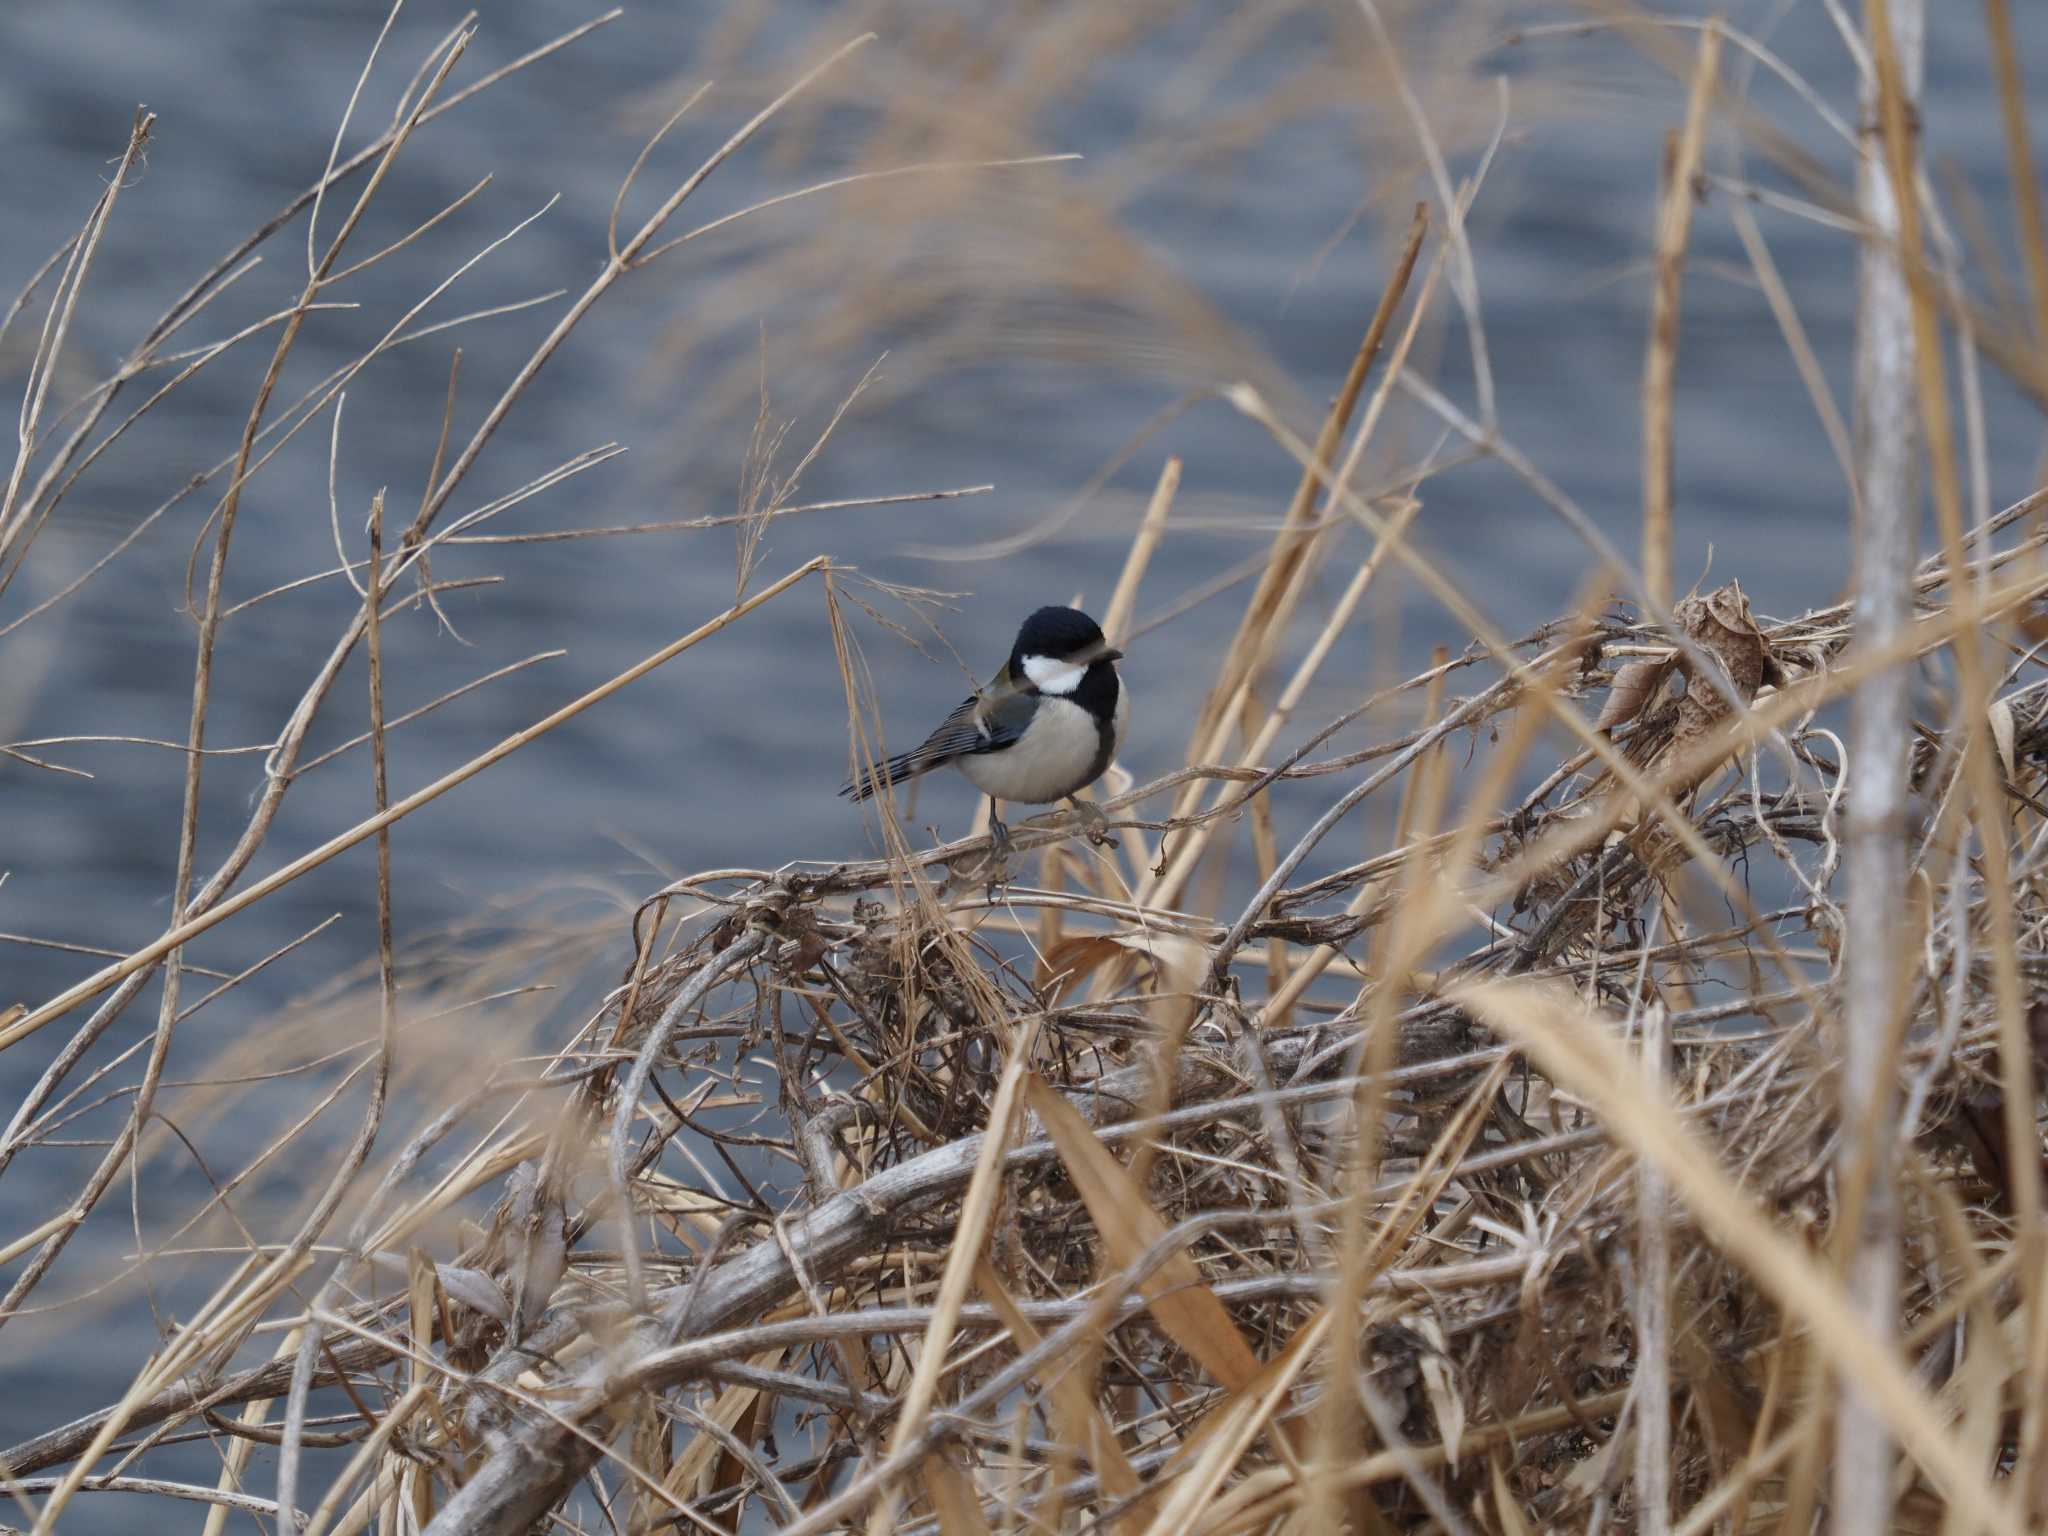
pixel 900 769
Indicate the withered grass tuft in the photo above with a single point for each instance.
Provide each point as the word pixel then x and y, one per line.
pixel 1427 1115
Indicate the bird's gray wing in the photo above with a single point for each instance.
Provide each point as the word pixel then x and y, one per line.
pixel 984 723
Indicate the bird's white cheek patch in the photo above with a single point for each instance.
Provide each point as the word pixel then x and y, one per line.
pixel 1049 674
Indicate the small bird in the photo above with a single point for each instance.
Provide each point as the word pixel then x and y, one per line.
pixel 1046 728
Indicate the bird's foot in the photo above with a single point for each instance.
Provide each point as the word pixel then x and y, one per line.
pixel 1093 822
pixel 995 866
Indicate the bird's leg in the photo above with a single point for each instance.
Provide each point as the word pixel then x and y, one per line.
pixel 1092 820
pixel 997 866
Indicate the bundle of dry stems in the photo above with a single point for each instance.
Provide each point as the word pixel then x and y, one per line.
pixel 1496 1180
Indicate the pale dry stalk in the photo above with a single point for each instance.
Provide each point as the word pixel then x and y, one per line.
pixel 1877 830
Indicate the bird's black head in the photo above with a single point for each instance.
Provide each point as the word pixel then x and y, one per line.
pixel 1061 651
pixel 1060 634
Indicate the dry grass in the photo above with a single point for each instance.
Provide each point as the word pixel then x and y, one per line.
pixel 1492 1181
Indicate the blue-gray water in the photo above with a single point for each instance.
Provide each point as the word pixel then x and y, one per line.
pixel 730 756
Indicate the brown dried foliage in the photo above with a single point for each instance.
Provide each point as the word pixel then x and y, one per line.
pixel 910 1193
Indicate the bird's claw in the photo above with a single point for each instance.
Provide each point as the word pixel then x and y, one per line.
pixel 995 867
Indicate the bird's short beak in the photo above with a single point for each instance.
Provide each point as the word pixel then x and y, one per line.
pixel 1111 655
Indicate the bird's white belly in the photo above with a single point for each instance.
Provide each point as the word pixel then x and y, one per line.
pixel 1050 761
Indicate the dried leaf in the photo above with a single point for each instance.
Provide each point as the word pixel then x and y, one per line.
pixel 1591 1475
pixel 1721 625
pixel 1739 662
pixel 2005 732
pixel 475 1290
pixel 1512 1522
pixel 1182 1303
pixel 1441 1387
pixel 1071 961
pixel 423 1313
pixel 1634 689
pixel 539 1262
pixel 952 1497
pixel 730 1472
pixel 1721 1391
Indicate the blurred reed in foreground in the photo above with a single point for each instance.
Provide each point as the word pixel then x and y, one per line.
pixel 1500 1179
